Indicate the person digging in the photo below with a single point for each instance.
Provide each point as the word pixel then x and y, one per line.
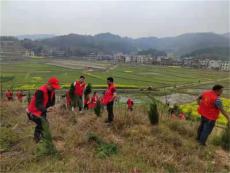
pixel 41 103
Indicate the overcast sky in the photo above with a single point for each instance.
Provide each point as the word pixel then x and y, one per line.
pixel 125 18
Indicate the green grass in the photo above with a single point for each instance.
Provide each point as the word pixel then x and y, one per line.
pixel 34 72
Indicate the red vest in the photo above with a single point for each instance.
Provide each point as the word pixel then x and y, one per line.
pixel 9 94
pixel 108 96
pixel 32 106
pixel 130 103
pixel 94 100
pixel 207 106
pixel 182 116
pixel 79 88
pixel 19 95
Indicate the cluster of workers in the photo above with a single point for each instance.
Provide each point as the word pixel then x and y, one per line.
pixel 79 96
pixel 43 101
pixel 77 99
pixel 10 95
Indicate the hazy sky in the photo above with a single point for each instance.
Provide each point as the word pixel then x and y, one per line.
pixel 126 18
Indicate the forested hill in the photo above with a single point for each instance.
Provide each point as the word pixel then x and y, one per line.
pixel 107 43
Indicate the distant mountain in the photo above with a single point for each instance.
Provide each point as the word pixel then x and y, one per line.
pixel 227 35
pixel 185 43
pixel 35 36
pixel 79 45
pixel 152 52
pixel 106 43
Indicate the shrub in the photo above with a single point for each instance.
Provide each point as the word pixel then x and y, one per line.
pixel 88 89
pixel 103 149
pixel 98 108
pixel 153 114
pixel 71 92
pixel 45 146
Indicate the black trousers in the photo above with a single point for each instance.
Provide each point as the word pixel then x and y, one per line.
pixel 38 128
pixel 204 130
pixel 110 111
pixel 77 101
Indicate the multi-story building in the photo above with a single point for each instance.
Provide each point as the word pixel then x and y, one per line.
pixel 214 64
pixel 225 66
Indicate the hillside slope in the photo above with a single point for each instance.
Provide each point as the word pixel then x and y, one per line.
pixel 106 43
pixel 169 147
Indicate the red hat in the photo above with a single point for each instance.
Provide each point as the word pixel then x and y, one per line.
pixel 54 82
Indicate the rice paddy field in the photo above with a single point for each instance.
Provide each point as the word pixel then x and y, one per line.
pixel 32 73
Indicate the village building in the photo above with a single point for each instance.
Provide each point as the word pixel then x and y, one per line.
pixel 225 66
pixel 203 63
pixel 214 64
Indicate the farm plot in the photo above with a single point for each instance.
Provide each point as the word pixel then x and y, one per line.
pixel 72 64
pixel 32 73
pixel 191 110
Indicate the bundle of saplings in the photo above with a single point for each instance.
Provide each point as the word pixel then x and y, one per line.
pixel 88 89
pixel 153 114
pixel 71 90
pixel 98 108
pixel 46 146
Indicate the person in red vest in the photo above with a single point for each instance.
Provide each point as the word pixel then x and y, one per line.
pixel 68 99
pixel 77 92
pixel 181 116
pixel 94 100
pixel 130 104
pixel 109 98
pixel 20 95
pixel 209 108
pixel 9 95
pixel 42 102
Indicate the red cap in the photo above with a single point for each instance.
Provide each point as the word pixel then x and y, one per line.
pixel 54 82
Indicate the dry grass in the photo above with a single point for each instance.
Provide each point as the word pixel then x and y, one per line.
pixel 168 147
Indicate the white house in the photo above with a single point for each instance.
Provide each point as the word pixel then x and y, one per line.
pixel 140 59
pixel 214 64
pixel 159 58
pixel 225 66
pixel 127 59
pixel 204 62
pixel 187 61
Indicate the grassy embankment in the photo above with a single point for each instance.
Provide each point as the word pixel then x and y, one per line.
pixel 168 147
